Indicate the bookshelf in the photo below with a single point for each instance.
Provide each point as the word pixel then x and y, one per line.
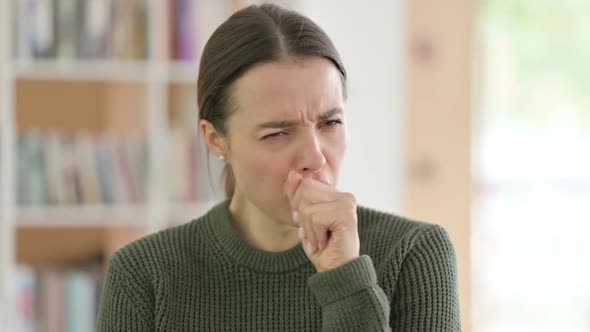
pixel 138 85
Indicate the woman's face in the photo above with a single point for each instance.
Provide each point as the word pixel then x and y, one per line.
pixel 288 116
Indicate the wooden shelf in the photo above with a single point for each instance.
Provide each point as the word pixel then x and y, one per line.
pixel 82 216
pixel 106 71
pixel 66 246
pixel 88 106
pixel 93 216
pixel 72 235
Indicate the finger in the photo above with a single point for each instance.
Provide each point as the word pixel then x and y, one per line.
pixel 309 234
pixel 311 191
pixel 293 181
pixel 320 232
pixel 316 221
pixel 301 233
pixel 332 216
pixel 304 241
pixel 322 217
pixel 291 184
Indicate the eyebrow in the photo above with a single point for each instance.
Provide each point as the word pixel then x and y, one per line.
pixel 291 123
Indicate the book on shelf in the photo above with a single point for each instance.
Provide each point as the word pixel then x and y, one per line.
pixel 185 31
pixel 85 154
pixel 36 28
pixel 106 29
pixel 74 29
pixel 67 34
pixel 52 172
pixel 127 39
pixel 26 296
pixel 29 173
pixel 63 168
pixel 58 299
pixel 81 293
pixel 94 28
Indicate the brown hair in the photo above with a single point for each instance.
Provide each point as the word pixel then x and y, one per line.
pixel 254 35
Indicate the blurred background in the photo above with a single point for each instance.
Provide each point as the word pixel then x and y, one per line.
pixel 470 114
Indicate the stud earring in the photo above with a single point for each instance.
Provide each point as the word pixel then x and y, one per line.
pixel 221 157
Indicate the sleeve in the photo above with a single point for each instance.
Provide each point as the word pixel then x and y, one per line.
pixel 124 305
pixel 425 296
pixel 350 298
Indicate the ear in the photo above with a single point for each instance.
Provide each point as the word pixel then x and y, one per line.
pixel 215 141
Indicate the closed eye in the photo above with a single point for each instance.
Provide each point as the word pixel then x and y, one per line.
pixel 329 123
pixel 332 123
pixel 277 134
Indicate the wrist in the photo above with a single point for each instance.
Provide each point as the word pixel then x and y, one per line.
pixel 331 266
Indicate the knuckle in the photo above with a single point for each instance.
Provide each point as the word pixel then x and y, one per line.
pixel 314 220
pixel 349 197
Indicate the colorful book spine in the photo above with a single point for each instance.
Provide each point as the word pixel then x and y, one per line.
pixel 185 28
pixel 94 27
pixel 60 300
pixel 27 299
pixel 100 29
pixel 70 169
pixel 41 30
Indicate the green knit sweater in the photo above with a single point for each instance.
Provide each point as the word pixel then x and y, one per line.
pixel 203 276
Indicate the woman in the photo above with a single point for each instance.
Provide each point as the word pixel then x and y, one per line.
pixel 271 92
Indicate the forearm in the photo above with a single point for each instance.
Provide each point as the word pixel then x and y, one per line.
pixel 350 298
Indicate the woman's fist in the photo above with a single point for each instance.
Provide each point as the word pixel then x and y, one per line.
pixel 327 220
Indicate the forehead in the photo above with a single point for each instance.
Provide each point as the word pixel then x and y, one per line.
pixel 286 88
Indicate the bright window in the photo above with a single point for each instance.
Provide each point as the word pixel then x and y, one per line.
pixel 532 165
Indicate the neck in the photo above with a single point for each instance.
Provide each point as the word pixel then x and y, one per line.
pixel 259 229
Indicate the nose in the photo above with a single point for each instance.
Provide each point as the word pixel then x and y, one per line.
pixel 310 156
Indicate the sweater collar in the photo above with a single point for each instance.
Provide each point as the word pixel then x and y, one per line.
pixel 233 244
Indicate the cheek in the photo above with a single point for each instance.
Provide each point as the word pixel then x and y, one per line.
pixel 260 169
pixel 336 148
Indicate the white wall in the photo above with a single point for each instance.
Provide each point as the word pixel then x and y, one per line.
pixel 370 36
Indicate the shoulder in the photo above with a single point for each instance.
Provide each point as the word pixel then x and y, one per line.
pixel 376 224
pixel 157 252
pixel 389 238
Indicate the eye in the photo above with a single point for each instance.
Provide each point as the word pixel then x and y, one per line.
pixel 277 134
pixel 332 123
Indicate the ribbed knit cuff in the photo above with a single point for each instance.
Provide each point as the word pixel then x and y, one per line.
pixel 343 281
